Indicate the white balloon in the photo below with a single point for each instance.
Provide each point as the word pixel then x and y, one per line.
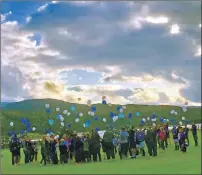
pixel 172 111
pixel 62 124
pixel 57 109
pixel 77 120
pixel 183 118
pixel 92 113
pixel 11 123
pixel 143 119
pixel 154 124
pixel 89 112
pixel 148 118
pixel 109 104
pixel 124 107
pixel 47 105
pixel 167 120
pixel 81 114
pixel 153 119
pixel 104 119
pixel 61 118
pixel 184 109
pixel 121 110
pixel 176 113
pixel 65 112
pixel 84 125
pixel 48 135
pixel 33 129
pixel 57 136
pixel 68 113
pixel 180 123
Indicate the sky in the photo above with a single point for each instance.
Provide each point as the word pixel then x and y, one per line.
pixel 145 52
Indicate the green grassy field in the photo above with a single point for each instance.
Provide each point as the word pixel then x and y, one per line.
pixel 170 162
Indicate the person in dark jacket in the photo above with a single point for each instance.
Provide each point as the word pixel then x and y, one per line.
pixel 175 137
pixel 151 142
pixel 43 151
pixel 54 157
pixel 140 138
pixel 132 142
pixel 63 151
pixel 186 131
pixel 108 143
pixel 78 149
pixel 15 146
pixel 194 133
pixel 95 145
pixel 182 143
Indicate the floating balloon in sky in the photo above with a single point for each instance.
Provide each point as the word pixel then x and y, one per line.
pixel 137 114
pixel 11 123
pixel 118 108
pixel 65 112
pixel 92 113
pixel 121 115
pixel 80 114
pixel 93 108
pixel 104 120
pixel 68 113
pixel 130 115
pixel 68 125
pixel 73 108
pixel 172 111
pixel 77 120
pixel 62 119
pixel 154 124
pixel 62 124
pixel 34 129
pixel 148 118
pixel 89 112
pixel 57 109
pixel 180 123
pixel 183 118
pixel 89 102
pixel 123 107
pixel 121 110
pixel 176 113
pixel 51 122
pixel 143 119
pixel 47 105
pixel 48 110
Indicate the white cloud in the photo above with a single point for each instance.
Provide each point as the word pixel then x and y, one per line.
pixel 175 29
pixel 28 19
pixel 55 2
pixel 198 52
pixel 42 8
pixel 4 16
pixel 157 20
pixel 200 25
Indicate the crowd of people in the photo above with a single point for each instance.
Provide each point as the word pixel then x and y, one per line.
pixel 129 142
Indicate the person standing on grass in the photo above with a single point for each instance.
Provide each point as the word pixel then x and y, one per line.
pixel 108 143
pixel 43 151
pixel 63 151
pixel 15 146
pixel 86 157
pixel 175 137
pixel 124 142
pixel 186 131
pixel 140 137
pixel 194 133
pixel 162 137
pixel 78 149
pixel 158 137
pixel 132 142
pixel 181 137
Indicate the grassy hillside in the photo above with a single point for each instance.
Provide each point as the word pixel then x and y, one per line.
pixel 35 111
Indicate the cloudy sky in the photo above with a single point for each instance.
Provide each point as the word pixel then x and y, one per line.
pixel 144 52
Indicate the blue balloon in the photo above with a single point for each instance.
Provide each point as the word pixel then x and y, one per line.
pixel 142 122
pixel 97 129
pixel 48 131
pixel 68 125
pixel 161 120
pixel 187 121
pixel 24 120
pixel 164 120
pixel 130 115
pixel 104 102
pixel 153 116
pixel 21 132
pixel 93 108
pixel 118 108
pixel 111 114
pixel 11 133
pixel 137 114
pixel 51 122
pixel 121 115
pixel 73 108
pixel 96 118
pixel 48 110
pixel 87 124
pixel 28 124
pixel 58 116
pixel 28 129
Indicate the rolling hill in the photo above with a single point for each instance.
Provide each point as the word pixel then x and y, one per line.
pixel 35 111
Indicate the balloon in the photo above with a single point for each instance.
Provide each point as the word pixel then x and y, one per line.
pixel 68 125
pixel 123 107
pixel 167 120
pixel 58 116
pixel 28 129
pixel 48 110
pixel 104 102
pixel 137 114
pixel 183 118
pixel 92 113
pixel 65 112
pixel 103 97
pixel 161 120
pixel 143 119
pixel 186 103
pixel 57 109
pixel 77 120
pixel 180 123
pixel 153 116
pixel 97 129
pixel 48 130
pixel 184 109
pixel 11 133
pixel 89 102
pixel 21 132
pixel 89 112
pixel 130 115
pixel 80 114
pixel 111 114
pixel 11 123
pixel 68 113
pixel 118 108
pixel 109 104
pixel 51 122
pixel 73 108
pixel 47 105
pixel 172 112
pixel 79 99
pixel 154 124
pixel 148 118
pixel 23 120
pixel 61 118
pixel 104 119
pixel 164 120
pixel 48 135
pixel 62 124
pixel 93 108
pixel 33 129
pixel 84 125
pixel 142 122
pixel 96 118
pixel 121 115
pixel 121 110
pixel 51 133
pixel 176 113
pixel 187 121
